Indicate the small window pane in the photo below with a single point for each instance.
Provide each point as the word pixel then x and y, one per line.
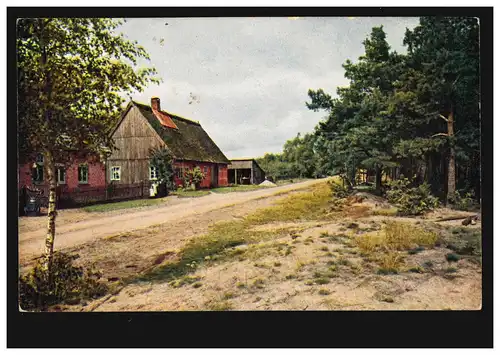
pixel 83 174
pixel 153 173
pixel 61 175
pixel 115 173
pixel 38 174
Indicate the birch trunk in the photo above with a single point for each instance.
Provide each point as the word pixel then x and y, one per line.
pixel 51 213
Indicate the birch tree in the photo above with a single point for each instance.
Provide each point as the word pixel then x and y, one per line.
pixel 72 76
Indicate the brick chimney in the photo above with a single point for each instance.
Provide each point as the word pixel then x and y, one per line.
pixel 155 103
pixel 164 119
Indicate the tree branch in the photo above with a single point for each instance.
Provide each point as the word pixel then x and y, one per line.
pixel 444 118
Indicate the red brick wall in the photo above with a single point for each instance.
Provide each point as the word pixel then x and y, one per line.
pixel 223 175
pixel 96 176
pixel 206 168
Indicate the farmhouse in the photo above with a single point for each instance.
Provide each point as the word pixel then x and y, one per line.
pixel 245 171
pixel 83 173
pixel 144 127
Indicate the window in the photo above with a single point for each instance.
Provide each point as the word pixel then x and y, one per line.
pixel 38 169
pixel 61 175
pixel 115 173
pixel 153 173
pixel 39 159
pixel 205 169
pixel 178 173
pixel 38 174
pixel 83 174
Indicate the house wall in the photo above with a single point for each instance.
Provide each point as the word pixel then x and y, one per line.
pixel 133 140
pixel 206 168
pixel 96 176
pixel 258 174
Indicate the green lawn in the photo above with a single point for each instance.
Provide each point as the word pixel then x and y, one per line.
pixel 189 193
pixel 105 207
pixel 290 181
pixel 237 188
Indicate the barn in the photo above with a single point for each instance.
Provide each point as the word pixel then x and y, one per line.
pixel 143 127
pixel 245 171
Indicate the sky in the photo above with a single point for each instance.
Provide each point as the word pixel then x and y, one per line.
pixel 246 79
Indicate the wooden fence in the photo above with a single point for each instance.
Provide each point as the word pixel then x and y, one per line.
pixel 66 198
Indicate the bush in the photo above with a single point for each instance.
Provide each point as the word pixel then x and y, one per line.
pixel 411 200
pixel 162 160
pixel 338 190
pixel 68 283
pixel 464 201
pixel 194 176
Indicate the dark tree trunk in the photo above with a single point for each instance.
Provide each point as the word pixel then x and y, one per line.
pixel 378 179
pixel 451 162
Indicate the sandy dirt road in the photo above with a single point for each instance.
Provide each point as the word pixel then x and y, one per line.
pixel 31 243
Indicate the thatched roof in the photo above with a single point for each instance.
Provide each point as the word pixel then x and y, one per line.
pixel 188 142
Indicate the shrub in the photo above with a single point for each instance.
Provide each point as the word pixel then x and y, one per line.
pixel 162 160
pixel 67 283
pixel 338 190
pixel 464 201
pixel 411 200
pixel 193 177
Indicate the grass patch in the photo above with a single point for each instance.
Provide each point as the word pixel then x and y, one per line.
pixel 105 207
pixel 258 283
pixel 391 261
pixel 299 206
pixel 416 250
pixel 219 305
pixel 416 270
pixel 464 241
pixel 323 292
pixel 190 193
pixel 219 242
pixel 322 280
pixel 238 188
pixel 184 280
pixel 451 257
pixel 395 236
pixel 389 212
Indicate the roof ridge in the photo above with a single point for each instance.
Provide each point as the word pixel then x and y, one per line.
pixel 168 113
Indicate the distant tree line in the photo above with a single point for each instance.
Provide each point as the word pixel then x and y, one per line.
pixel 414 115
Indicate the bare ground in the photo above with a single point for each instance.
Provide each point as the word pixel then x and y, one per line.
pixel 76 227
pixel 272 280
pixel 299 269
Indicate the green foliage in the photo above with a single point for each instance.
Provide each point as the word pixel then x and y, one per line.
pixel 72 74
pixel 338 191
pixel 67 282
pixel 411 200
pixel 464 201
pixel 193 177
pixel 162 160
pixel 391 114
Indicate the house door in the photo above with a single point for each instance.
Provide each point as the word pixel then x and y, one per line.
pixel 214 181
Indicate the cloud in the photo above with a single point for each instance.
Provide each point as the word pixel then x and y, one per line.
pixel 251 75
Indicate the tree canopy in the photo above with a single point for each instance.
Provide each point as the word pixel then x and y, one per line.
pixel 414 114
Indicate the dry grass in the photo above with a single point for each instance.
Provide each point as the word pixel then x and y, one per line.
pixel 390 262
pixel 390 212
pixel 301 206
pixel 384 246
pixel 395 236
